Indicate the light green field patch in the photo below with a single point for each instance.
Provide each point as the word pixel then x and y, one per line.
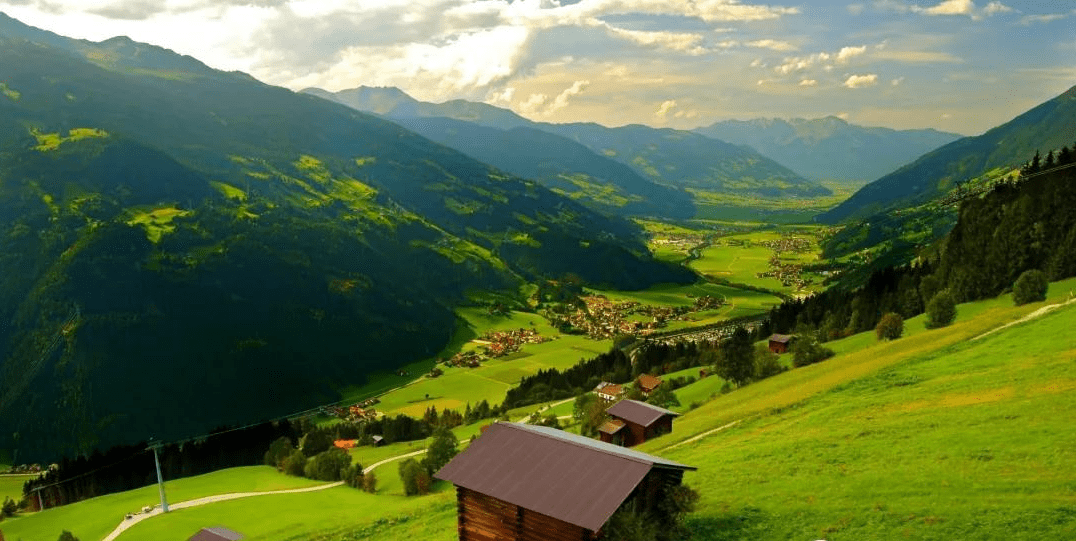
pixel 156 222
pixel 52 141
pixel 524 239
pixel 463 208
pixel 229 191
pixel 11 93
pixel 365 160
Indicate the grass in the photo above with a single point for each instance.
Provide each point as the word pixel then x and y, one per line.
pixel 11 486
pixel 93 519
pixel 740 302
pixel 52 141
pixel 741 258
pixel 932 436
pixel 156 222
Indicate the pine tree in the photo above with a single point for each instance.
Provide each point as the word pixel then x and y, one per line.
pixel 1064 156
pixel 1036 163
pixel 1049 159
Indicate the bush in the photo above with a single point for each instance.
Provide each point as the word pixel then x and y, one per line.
pixel 9 508
pixel 317 441
pixel 442 449
pixel 941 310
pixel 807 350
pixel 1031 286
pixel 330 465
pixel 890 327
pixel 369 482
pixel 353 476
pixel 67 536
pixel 295 464
pixel 415 479
pixel 278 451
pixel 767 363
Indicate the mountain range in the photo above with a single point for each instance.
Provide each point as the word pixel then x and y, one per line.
pixel 141 190
pixel 830 149
pixel 1043 128
pixel 677 159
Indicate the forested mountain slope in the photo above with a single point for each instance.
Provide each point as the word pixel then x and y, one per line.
pixel 182 248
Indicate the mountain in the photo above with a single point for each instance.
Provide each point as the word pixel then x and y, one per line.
pixel 183 244
pixel 1047 126
pixel 674 158
pixel 830 148
pixel 561 164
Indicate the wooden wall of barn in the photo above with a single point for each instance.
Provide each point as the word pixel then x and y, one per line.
pixel 485 518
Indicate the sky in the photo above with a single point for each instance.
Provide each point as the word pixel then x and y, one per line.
pixel 955 65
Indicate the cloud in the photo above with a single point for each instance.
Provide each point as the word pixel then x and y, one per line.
pixel 809 82
pixel 861 81
pixel 676 41
pixel 993 8
pixel 856 9
pixel 772 44
pixel 503 96
pixel 1028 20
pixel 897 81
pixel 847 53
pixel 952 7
pixel 561 101
pixel 533 105
pixel 664 109
pixel 917 57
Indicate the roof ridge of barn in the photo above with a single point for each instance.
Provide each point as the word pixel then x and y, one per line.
pixel 600 446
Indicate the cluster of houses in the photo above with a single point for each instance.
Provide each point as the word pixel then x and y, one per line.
pixel 603 318
pixel 30 469
pixel 501 343
pixel 355 412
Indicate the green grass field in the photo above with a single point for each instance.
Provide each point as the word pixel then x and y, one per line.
pixel 741 258
pixel 741 302
pixel 93 519
pixel 11 486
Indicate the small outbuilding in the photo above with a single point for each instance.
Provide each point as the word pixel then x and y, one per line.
pixel 521 482
pixel 647 383
pixel 779 343
pixel 638 422
pixel 216 533
pixel 609 392
pixel 378 441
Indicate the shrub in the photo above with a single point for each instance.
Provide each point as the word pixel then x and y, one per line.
pixel 9 508
pixel 369 482
pixel 767 363
pixel 294 464
pixel 1031 286
pixel 353 477
pixel 442 449
pixel 890 327
pixel 941 310
pixel 415 479
pixel 67 536
pixel 278 451
pixel 807 350
pixel 330 465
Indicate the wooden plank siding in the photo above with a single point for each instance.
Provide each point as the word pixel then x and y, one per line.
pixel 485 518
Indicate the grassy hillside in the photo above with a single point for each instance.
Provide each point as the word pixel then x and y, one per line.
pixel 942 434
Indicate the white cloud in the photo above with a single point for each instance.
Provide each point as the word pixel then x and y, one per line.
pixel 677 41
pixel 856 9
pixel 664 108
pixel 847 53
pixel 995 7
pixel 809 82
pixel 772 44
pixel 533 105
pixel 561 101
pixel 861 81
pixel 501 97
pixel 897 81
pixel 952 7
pixel 1028 20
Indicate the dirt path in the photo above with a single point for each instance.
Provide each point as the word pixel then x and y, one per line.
pixel 701 436
pixel 387 460
pixel 127 523
pixel 1037 313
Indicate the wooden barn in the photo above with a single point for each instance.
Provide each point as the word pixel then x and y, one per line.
pixel 647 383
pixel 218 533
pixel 779 343
pixel 635 422
pixel 532 483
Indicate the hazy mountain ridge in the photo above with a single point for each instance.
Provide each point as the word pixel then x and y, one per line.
pixel 142 190
pixel 1045 127
pixel 830 148
pixel 675 158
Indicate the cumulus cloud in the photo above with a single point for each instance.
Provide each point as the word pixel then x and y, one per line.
pixel 561 101
pixel 993 8
pixel 824 60
pixel 809 82
pixel 678 41
pixel 848 53
pixel 1028 20
pixel 664 108
pixel 945 7
pixel 897 81
pixel 772 44
pixel 861 81
pixel 952 7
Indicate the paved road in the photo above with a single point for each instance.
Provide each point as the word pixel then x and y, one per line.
pixel 127 523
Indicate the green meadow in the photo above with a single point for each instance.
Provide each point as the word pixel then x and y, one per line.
pixel 11 487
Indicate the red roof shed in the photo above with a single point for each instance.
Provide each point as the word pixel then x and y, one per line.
pixel 643 421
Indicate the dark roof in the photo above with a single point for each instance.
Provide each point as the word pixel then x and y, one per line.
pixel 561 475
pixel 218 533
pixel 781 338
pixel 637 412
pixel 646 381
pixel 611 427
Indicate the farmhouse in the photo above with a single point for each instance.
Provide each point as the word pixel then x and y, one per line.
pixel 521 482
pixel 635 422
pixel 608 392
pixel 779 343
pixel 218 533
pixel 647 383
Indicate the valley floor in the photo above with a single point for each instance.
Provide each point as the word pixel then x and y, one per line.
pixel 936 435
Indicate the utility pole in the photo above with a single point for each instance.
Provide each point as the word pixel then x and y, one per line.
pixel 160 480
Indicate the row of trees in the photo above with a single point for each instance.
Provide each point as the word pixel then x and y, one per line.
pixel 1037 164
pixel 1026 226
